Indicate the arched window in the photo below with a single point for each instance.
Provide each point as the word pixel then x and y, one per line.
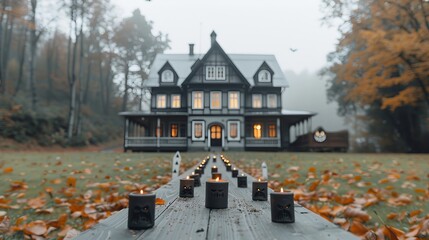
pixel 264 76
pixel 167 76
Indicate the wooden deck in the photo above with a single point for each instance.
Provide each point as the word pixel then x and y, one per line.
pixel 187 218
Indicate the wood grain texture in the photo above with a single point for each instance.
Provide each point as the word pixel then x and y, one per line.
pixel 187 218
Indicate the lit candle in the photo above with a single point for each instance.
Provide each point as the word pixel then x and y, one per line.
pixel 216 175
pixel 234 172
pixel 198 170
pixel 201 168
pixel 214 159
pixel 141 210
pixel 282 207
pixel 228 167
pixel 242 181
pixel 214 169
pixel 259 190
pixel 216 194
pixel 186 187
pixel 197 179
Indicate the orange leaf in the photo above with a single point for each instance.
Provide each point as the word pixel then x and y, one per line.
pixel 20 220
pixel 159 201
pixel 420 190
pixel 392 216
pixel 37 202
pixel 314 185
pixel 392 233
pixel 358 228
pixel 89 223
pixel 356 213
pixel 60 222
pixel 71 182
pixel 8 170
pixel 63 232
pixel 312 169
pixel 415 213
pixel 56 181
pixel 37 227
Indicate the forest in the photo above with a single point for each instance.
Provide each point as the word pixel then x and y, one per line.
pixel 67 67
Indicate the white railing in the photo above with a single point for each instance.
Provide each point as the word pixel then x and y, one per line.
pixel 262 142
pixel 155 142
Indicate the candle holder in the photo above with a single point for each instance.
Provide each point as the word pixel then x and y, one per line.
pixel 187 187
pixel 259 190
pixel 216 194
pixel 234 173
pixel 217 175
pixel 214 158
pixel 214 169
pixel 197 179
pixel 198 171
pixel 201 167
pixel 141 211
pixel 282 207
pixel 242 181
pixel 228 167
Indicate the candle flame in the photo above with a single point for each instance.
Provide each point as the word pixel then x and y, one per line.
pixel 259 179
pixel 214 167
pixel 187 177
pixel 235 168
pixel 141 191
pixel 281 189
pixel 242 174
pixel 192 173
pixel 217 179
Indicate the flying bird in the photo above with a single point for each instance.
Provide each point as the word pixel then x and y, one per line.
pixel 293 49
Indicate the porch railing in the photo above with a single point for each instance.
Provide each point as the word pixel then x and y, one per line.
pixel 156 142
pixel 262 142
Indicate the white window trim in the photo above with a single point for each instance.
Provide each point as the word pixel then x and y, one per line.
pixel 268 100
pixel 260 76
pixel 211 100
pixel 172 100
pixel 207 73
pixel 238 99
pixel 157 101
pixel 224 73
pixel 203 132
pixel 253 100
pixel 163 77
pixel 202 99
pixel 238 131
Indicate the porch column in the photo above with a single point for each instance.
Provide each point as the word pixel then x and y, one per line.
pixel 127 123
pixel 223 137
pixel 208 139
pixel 278 133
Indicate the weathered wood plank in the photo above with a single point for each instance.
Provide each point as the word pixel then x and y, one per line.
pixel 184 218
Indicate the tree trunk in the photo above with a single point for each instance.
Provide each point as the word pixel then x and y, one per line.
pixel 81 57
pixel 72 79
pixel 33 45
pixel 21 61
pixel 2 14
pixel 125 98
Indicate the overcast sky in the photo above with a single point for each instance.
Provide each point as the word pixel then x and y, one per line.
pixel 243 26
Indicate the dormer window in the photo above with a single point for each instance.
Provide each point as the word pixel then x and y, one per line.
pixel 215 73
pixel 167 76
pixel 264 76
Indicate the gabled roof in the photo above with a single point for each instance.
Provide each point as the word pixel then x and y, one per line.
pixel 247 64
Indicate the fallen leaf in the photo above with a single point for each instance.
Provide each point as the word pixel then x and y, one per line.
pixel 159 201
pixel 37 227
pixel 8 170
pixel 356 213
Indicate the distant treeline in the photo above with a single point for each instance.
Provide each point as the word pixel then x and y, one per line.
pixel 65 76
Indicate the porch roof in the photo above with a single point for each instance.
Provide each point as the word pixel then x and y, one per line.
pixel 152 114
pixel 290 116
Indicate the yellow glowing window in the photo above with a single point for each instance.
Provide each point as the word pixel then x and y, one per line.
pixel 198 130
pixel 257 101
pixel 233 100
pixel 161 101
pixel 215 132
pixel 233 130
pixel 216 100
pixel 257 130
pixel 272 131
pixel 175 101
pixel 198 101
pixel 174 130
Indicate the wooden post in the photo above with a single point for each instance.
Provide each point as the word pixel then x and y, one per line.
pixel 264 171
pixel 176 165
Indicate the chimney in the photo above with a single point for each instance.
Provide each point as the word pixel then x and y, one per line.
pixel 213 37
pixel 191 49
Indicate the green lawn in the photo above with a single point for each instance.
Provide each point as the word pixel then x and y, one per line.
pixel 44 182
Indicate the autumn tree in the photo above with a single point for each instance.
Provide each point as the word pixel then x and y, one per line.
pixel 381 67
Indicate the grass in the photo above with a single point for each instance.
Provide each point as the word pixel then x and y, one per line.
pixel 352 174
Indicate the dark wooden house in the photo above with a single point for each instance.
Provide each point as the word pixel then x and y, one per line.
pixel 201 101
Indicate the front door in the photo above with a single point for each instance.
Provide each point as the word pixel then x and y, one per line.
pixel 216 136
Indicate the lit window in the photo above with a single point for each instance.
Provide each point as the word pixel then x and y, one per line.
pixel 211 73
pixel 233 101
pixel 215 100
pixel 264 76
pixel 272 131
pixel 215 132
pixel 257 101
pixel 174 130
pixel 167 76
pixel 198 131
pixel 234 131
pixel 272 101
pixel 257 130
pixel 198 101
pixel 175 101
pixel 158 131
pixel 161 100
pixel 220 73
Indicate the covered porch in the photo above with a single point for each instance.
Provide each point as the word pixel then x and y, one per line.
pixel 155 131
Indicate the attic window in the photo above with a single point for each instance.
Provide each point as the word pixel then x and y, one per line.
pixel 215 73
pixel 167 76
pixel 264 76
